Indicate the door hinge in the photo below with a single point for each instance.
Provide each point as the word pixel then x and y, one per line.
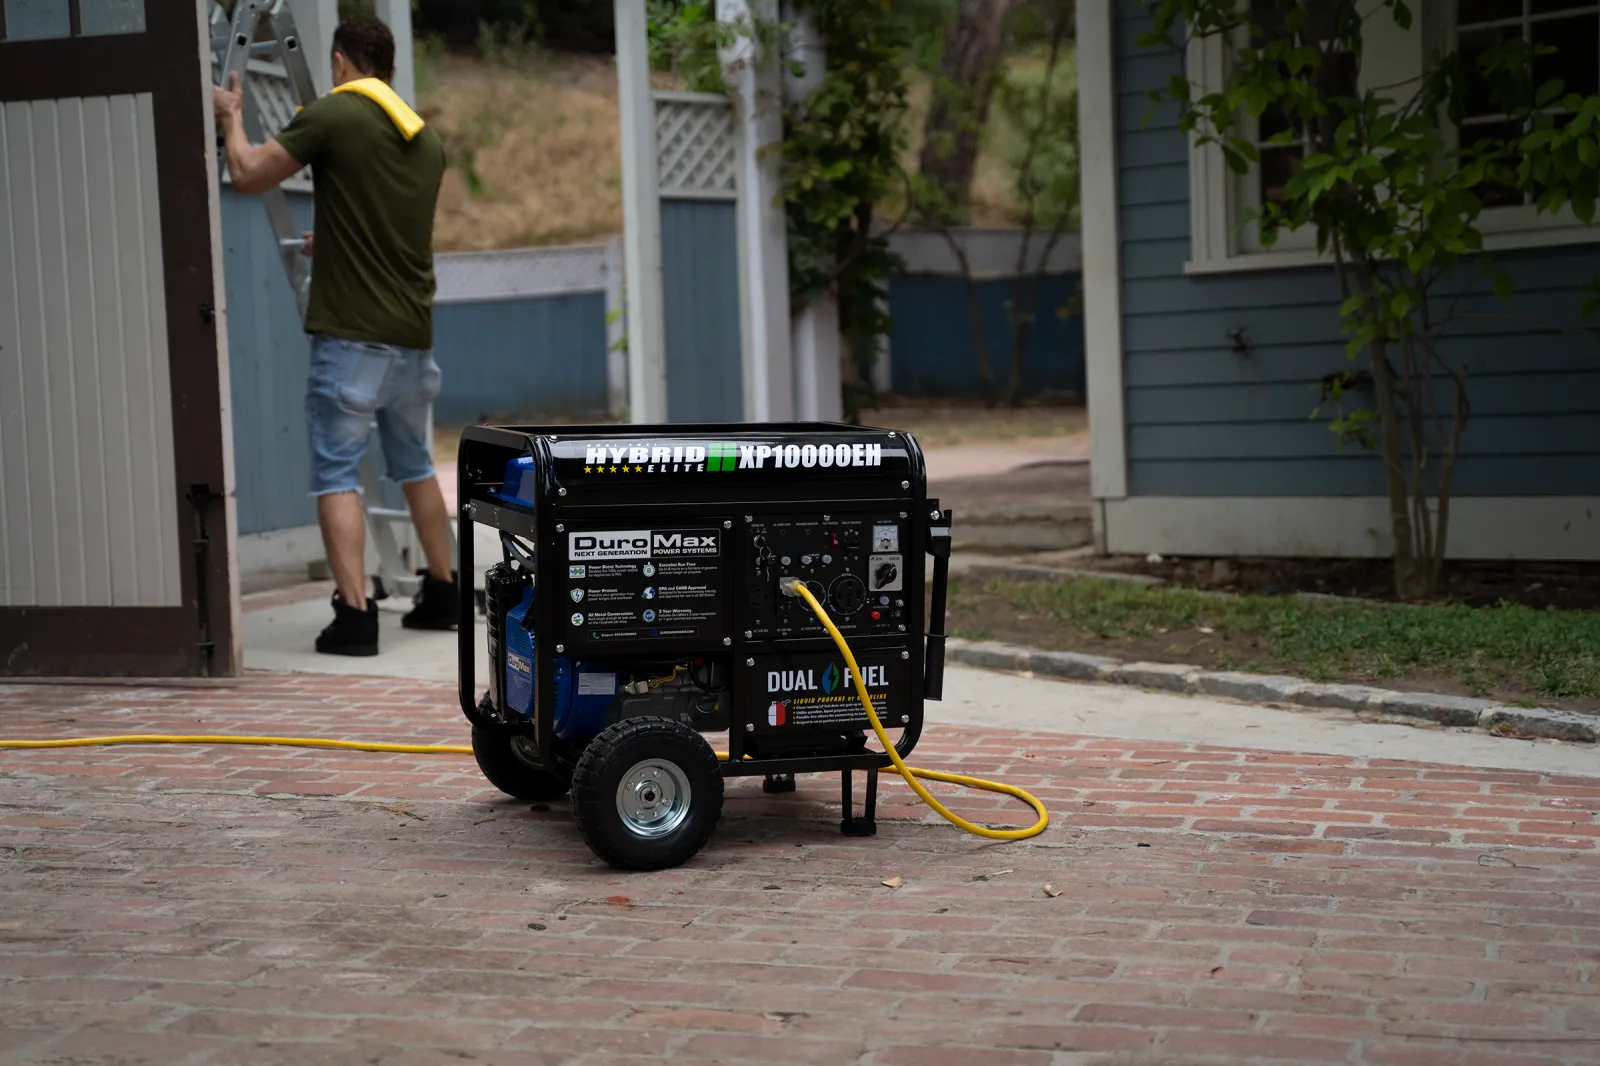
pixel 200 497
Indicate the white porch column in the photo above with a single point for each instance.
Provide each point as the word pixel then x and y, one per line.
pixel 817 346
pixel 882 368
pixel 769 394
pixel 616 331
pixel 647 354
pixel 396 14
pixel 819 388
pixel 316 20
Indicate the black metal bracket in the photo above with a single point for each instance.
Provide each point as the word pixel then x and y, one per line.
pixel 939 522
pixel 867 824
pixel 200 496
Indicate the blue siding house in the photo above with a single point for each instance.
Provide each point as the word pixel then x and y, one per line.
pixel 1204 352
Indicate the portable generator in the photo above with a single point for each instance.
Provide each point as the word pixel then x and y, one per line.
pixel 646 595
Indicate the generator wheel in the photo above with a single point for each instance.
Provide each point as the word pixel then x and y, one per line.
pixel 647 793
pixel 507 760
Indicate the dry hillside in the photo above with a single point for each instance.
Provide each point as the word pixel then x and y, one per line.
pixel 536 140
pixel 540 138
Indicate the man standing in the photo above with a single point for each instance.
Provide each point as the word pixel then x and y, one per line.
pixel 377 169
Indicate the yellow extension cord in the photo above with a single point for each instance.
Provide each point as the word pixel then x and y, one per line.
pixel 910 773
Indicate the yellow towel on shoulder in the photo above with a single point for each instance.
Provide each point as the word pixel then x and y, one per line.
pixel 407 121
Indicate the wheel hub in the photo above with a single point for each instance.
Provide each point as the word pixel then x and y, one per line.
pixel 653 798
pixel 522 747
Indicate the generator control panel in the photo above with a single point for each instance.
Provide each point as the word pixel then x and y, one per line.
pixel 854 563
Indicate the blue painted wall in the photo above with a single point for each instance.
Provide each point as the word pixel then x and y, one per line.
pixel 1204 421
pixel 532 357
pixel 930 345
pixel 700 282
pixel 268 357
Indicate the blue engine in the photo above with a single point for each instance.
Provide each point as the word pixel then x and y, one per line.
pixel 520 488
pixel 583 693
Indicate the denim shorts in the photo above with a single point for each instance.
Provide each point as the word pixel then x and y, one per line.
pixel 353 384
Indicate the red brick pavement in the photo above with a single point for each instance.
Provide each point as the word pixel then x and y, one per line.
pixel 247 905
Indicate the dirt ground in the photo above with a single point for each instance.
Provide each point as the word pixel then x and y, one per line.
pixel 935 422
pixel 1571 586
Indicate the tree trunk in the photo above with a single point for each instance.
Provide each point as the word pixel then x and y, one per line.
pixel 960 106
pixel 1409 582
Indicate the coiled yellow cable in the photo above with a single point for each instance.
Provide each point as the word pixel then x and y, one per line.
pixel 911 773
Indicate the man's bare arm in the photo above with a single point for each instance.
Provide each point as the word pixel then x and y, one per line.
pixel 254 168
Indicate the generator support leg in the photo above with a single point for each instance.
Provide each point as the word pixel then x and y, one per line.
pixel 867 824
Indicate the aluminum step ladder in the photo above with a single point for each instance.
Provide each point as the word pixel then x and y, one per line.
pixel 236 41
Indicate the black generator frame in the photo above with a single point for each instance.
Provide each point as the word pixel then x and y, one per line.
pixel 481 461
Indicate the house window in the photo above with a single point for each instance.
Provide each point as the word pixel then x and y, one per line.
pixel 1280 161
pixel 34 20
pixel 1481 25
pixel 1225 206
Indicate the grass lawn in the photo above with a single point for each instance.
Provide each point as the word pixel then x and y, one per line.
pixel 1510 653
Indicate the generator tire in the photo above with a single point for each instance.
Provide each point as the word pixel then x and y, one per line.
pixel 677 783
pixel 507 771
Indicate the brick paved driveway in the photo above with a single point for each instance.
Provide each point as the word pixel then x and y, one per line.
pixel 239 906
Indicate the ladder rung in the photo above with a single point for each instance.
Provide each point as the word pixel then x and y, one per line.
pixel 259 48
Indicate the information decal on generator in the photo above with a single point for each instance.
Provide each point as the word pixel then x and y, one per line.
pixel 644 584
pixel 814 690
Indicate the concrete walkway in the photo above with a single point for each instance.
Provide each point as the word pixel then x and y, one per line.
pixel 279 628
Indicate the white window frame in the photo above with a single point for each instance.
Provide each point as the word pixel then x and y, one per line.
pixel 1223 236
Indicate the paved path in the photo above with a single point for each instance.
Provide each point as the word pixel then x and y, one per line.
pixel 1217 905
pixel 280 626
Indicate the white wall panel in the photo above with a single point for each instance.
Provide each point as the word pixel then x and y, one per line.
pixel 88 497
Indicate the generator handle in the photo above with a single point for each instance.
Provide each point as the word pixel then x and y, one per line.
pixel 939 548
pixel 466 648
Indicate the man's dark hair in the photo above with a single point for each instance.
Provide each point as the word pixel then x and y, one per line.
pixel 367 43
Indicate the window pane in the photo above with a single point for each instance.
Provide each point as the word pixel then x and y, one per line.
pixel 1492 195
pixel 1577 58
pixel 1272 122
pixel 29 20
pixel 1471 11
pixel 1266 21
pixel 110 16
pixel 1474 45
pixel 1278 165
pixel 1541 7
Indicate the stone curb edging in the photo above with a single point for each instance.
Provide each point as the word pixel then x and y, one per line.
pixel 1460 711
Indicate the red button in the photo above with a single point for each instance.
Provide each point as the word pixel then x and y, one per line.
pixel 876 615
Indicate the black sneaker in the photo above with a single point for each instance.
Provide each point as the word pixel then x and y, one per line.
pixel 437 604
pixel 351 632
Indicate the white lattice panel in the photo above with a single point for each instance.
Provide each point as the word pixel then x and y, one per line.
pixel 697 146
pixel 469 276
pixel 274 96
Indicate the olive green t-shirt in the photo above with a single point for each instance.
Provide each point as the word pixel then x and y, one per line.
pixel 375 192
